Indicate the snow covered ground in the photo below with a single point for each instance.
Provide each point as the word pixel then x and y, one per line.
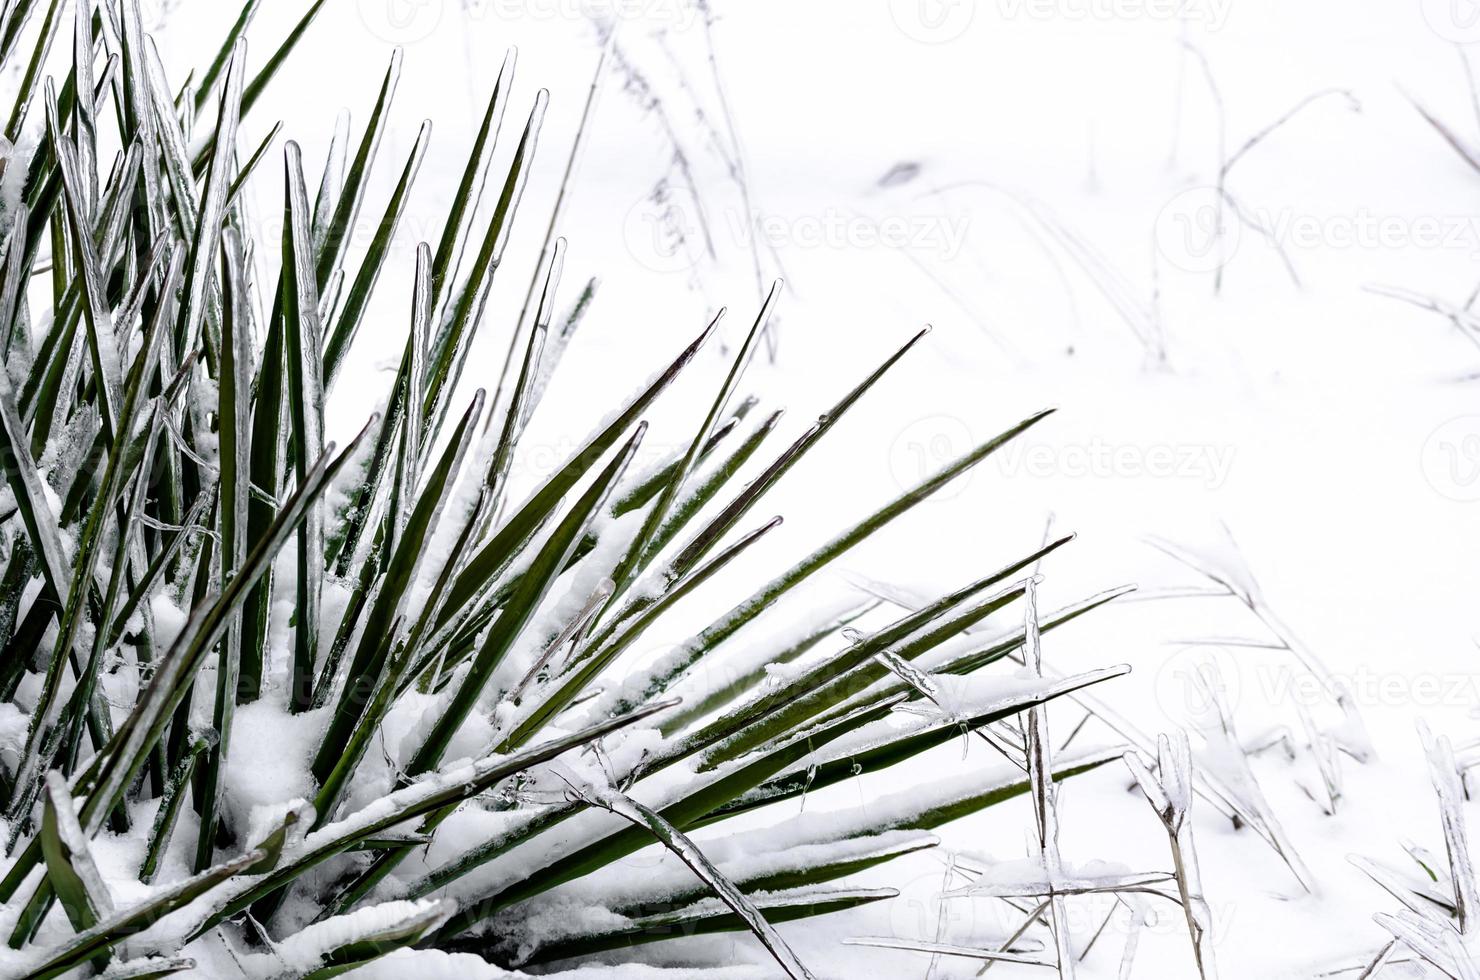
pixel 1037 180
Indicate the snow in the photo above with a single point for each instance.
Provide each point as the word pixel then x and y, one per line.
pixel 267 766
pixel 1314 419
pixel 303 950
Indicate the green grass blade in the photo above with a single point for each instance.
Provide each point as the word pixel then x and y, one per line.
pixel 347 208
pixel 640 550
pixel 731 622
pixel 69 862
pixel 470 188
pixel 706 920
pixel 168 814
pixel 302 335
pixel 204 243
pixel 533 587
pixel 234 453
pixel 26 92
pixel 753 491
pixel 450 350
pixel 347 326
pixel 358 714
pixel 253 162
pixel 225 53
pixel 644 818
pixel 264 76
pixel 494 556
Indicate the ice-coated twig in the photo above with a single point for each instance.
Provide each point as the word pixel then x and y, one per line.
pixel 1169 790
pixel 683 848
pixel 1438 945
pixel 1241 584
pixel 930 690
pixel 577 624
pixel 1464 321
pixel 1456 840
pixel 1044 792
pixel 1226 750
pixel 1379 960
pixel 947 949
pixel 1006 946
pixel 1417 894
pixel 1323 750
pixel 1457 143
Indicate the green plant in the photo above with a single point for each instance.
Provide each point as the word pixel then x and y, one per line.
pixel 164 448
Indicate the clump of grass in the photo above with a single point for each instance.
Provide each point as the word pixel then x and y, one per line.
pixel 164 449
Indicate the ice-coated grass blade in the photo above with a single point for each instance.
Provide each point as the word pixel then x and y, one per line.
pixel 26 91
pixel 516 413
pixel 534 585
pixel 494 556
pixel 234 453
pixel 649 820
pixel 357 299
pixel 450 348
pixel 165 818
pixel 97 312
pixel 302 335
pixel 30 498
pixel 49 719
pixel 372 679
pixel 69 862
pixel 426 797
pixel 708 919
pixel 347 208
pixel 731 622
pixel 199 265
pixel 114 929
pixel 470 188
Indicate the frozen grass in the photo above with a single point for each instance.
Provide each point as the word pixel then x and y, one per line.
pixel 294 707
